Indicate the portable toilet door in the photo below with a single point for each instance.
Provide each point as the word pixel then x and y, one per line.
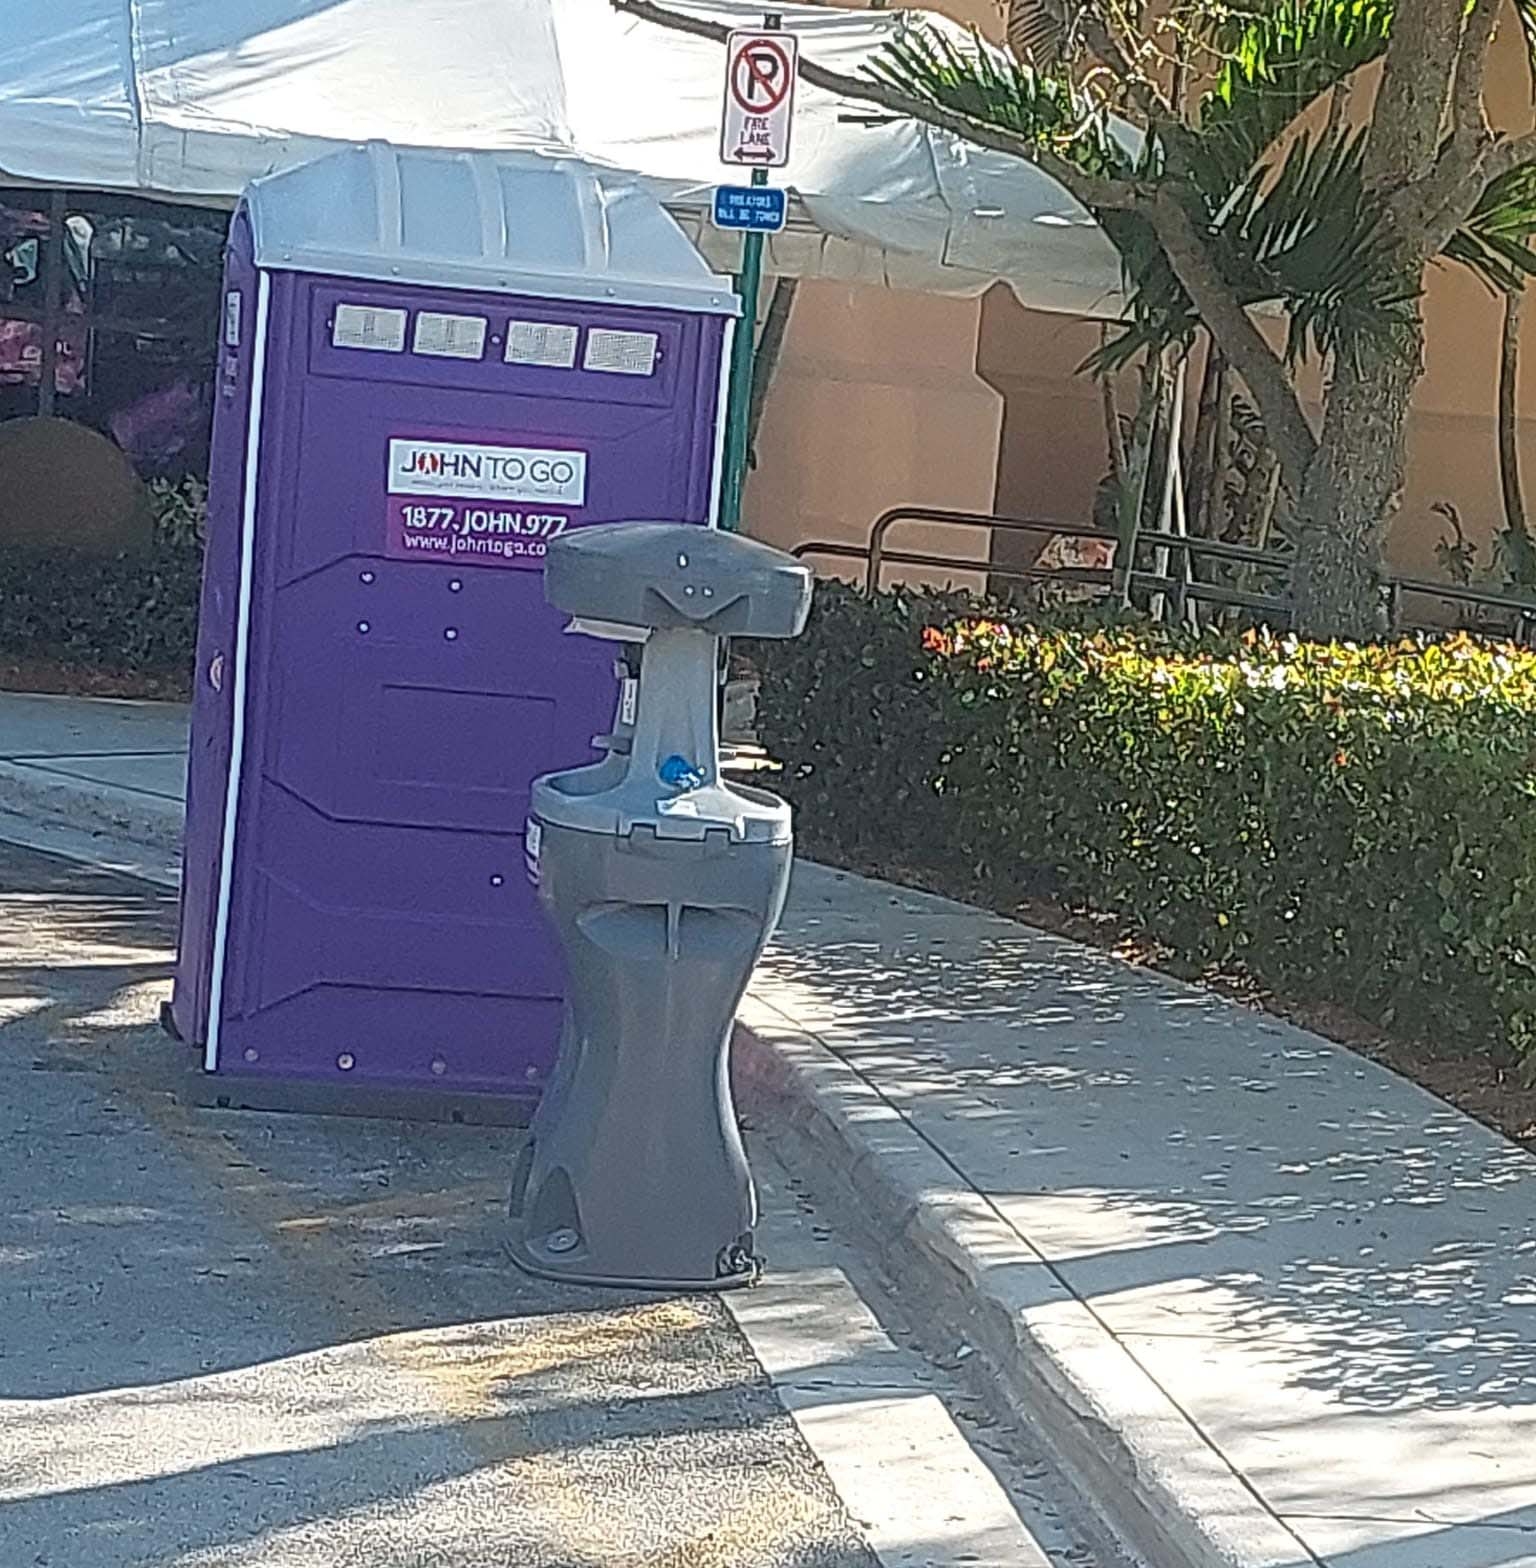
pixel 432 363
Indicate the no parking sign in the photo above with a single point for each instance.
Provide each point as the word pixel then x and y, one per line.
pixel 759 99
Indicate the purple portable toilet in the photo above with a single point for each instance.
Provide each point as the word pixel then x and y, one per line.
pixel 433 362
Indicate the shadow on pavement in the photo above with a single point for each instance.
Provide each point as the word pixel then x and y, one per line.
pixel 241 1339
pixel 1190 1167
pixel 1328 1271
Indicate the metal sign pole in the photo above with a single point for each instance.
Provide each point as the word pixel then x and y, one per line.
pixel 744 350
pixel 739 403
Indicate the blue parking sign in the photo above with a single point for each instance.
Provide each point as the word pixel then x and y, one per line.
pixel 756 209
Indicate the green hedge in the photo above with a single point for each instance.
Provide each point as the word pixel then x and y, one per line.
pixel 1349 824
pixel 133 613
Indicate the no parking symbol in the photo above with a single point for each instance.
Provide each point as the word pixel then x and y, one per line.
pixel 759 99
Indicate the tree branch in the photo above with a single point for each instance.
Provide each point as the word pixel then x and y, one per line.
pixel 1428 211
pixel 1234 331
pixel 1099 39
pixel 1416 77
pixel 1506 154
pixel 1093 191
pixel 1449 199
pixel 1435 207
pixel 1469 118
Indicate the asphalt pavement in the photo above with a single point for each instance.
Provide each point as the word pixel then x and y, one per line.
pixel 294 1341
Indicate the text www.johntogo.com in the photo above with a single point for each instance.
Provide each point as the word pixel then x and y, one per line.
pixel 475 544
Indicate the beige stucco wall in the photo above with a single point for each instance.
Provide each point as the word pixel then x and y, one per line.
pixel 875 403
pixel 1053 449
pixel 885 398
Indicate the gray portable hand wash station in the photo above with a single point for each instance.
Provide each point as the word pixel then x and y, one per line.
pixel 663 883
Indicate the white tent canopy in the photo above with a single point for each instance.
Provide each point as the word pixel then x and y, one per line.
pixel 191 99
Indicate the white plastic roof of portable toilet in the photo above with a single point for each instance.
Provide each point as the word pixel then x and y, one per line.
pixel 535 223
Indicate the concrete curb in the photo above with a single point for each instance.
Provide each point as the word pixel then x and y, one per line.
pixel 1158 1480
pixel 124 815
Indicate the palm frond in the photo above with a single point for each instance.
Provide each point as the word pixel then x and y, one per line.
pixel 1282 57
pixel 1037 33
pixel 1308 239
pixel 991 88
pixel 1297 229
pixel 1317 245
pixel 1526 10
pixel 1495 242
pixel 1160 311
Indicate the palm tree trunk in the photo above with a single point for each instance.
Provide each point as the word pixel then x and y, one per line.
pixel 770 348
pixel 1352 490
pixel 1209 445
pixel 1520 551
pixel 1140 458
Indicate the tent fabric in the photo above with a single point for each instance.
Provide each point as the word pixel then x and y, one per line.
pixel 192 99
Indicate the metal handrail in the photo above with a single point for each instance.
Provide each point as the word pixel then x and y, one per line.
pixel 1455 594
pixel 858 552
pixel 1215 549
pixel 1178 585
pixel 1086 576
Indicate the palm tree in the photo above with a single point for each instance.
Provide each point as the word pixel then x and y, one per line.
pixel 1196 134
pixel 1238 204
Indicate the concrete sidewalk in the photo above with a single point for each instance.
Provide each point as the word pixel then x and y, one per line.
pixel 96 770
pixel 1273 1303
